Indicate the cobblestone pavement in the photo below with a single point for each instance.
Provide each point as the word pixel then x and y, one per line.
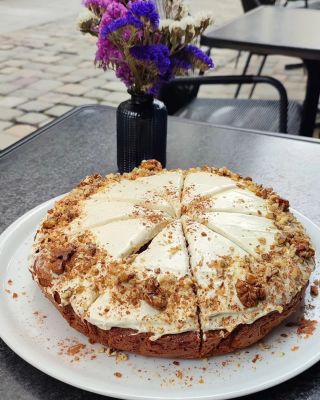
pixel 46 70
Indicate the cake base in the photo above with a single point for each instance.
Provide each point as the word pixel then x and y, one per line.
pixel 188 345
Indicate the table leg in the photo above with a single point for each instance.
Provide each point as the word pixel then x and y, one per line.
pixel 311 100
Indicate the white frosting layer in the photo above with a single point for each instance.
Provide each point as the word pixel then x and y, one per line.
pixel 166 252
pixel 219 304
pixel 206 246
pixel 204 185
pixel 122 238
pixel 82 299
pixel 159 192
pixel 99 212
pixel 121 228
pixel 106 314
pixel 249 232
pixel 238 201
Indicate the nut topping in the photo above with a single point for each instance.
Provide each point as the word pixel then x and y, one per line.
pixel 283 204
pixel 250 292
pixel 60 256
pixel 153 294
pixel 125 277
pixel 151 165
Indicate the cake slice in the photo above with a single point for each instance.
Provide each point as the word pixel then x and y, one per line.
pixel 158 192
pixel 235 200
pixel 253 234
pixel 201 185
pixel 123 238
pixel 167 252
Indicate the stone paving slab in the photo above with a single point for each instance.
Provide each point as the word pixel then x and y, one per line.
pixel 35 106
pixel 59 110
pixel 47 69
pixel 19 130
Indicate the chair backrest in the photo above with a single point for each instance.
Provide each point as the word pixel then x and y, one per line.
pixel 178 96
pixel 249 5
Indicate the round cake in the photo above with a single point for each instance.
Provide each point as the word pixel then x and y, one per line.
pixel 172 263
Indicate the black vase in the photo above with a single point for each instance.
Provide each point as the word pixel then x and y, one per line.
pixel 141 131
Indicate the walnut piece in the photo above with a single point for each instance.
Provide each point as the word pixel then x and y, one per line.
pixel 303 249
pixel 283 204
pixel 125 277
pixel 153 294
pixel 151 165
pixel 314 291
pixel 59 258
pixel 250 292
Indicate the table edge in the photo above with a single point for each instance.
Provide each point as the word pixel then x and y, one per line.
pixel 254 47
pixel 76 110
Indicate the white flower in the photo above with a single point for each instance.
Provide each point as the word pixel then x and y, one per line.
pixel 84 17
pixel 177 25
pixel 191 30
pixel 203 16
pixel 184 10
pixel 188 21
pixel 176 9
pixel 165 23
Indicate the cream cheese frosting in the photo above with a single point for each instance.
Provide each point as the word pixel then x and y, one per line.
pixel 159 192
pixel 247 231
pixel 216 270
pixel 168 252
pixel 203 185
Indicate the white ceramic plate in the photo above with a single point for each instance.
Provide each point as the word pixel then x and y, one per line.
pixel 31 326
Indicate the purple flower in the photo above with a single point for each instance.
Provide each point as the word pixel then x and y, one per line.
pixel 147 10
pixel 105 21
pixel 180 62
pixel 118 23
pixel 156 54
pixel 107 53
pixel 126 35
pixel 116 10
pixel 123 72
pixel 96 3
pixel 199 59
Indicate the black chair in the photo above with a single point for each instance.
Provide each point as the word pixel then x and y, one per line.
pixel 180 97
pixel 313 4
pixel 249 5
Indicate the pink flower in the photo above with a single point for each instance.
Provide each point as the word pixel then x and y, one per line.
pixel 116 10
pixel 126 35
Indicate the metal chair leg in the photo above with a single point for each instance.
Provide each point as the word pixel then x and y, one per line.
pixel 264 59
pixel 237 59
pixel 244 72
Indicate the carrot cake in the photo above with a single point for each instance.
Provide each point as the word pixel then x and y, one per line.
pixel 172 263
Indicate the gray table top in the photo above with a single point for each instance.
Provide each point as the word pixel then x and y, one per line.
pixel 83 142
pixel 269 29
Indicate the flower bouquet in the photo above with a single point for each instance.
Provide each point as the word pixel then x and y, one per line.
pixel 146 43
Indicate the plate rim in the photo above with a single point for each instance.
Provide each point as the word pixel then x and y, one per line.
pixel 12 341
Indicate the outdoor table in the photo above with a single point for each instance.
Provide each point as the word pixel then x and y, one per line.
pixel 55 158
pixel 278 30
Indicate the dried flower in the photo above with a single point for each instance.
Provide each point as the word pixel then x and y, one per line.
pixel 165 24
pixel 88 22
pixel 156 54
pixel 198 58
pixel 203 19
pixel 143 50
pixel 176 9
pixel 113 26
pixel 147 10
